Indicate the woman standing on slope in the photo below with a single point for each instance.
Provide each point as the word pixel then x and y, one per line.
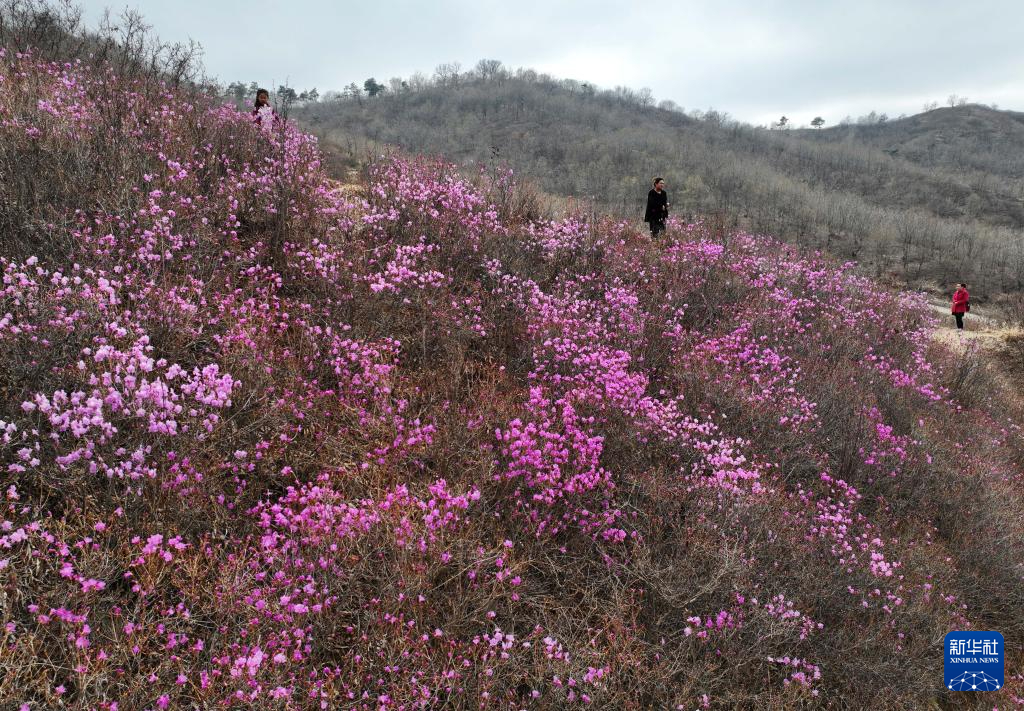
pixel 263 113
pixel 961 304
pixel 657 207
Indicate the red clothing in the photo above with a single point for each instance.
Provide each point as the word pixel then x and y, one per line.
pixel 960 297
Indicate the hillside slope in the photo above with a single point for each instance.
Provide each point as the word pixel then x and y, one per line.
pixel 266 443
pixel 929 215
pixel 962 138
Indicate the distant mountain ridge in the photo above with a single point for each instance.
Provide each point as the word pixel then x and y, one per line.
pixel 972 136
pixel 929 199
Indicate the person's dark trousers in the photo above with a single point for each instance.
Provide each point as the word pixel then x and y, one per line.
pixel 656 227
pixel 959 321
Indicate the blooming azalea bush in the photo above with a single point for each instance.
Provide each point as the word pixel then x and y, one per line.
pixel 265 444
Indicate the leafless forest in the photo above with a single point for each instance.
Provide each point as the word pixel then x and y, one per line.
pixel 927 199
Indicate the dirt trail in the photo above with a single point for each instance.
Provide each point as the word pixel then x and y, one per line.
pixel 988 336
pixel 350 189
pixel 986 332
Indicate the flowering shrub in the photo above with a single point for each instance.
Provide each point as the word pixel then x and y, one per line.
pixel 265 444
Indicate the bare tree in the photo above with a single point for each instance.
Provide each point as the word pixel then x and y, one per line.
pixel 397 85
pixel 447 74
pixel 54 30
pixel 488 69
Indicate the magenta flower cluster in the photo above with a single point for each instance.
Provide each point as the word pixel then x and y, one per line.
pixel 269 441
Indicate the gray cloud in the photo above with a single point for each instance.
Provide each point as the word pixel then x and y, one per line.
pixel 755 59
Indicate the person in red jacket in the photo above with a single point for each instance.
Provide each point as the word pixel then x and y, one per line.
pixel 961 304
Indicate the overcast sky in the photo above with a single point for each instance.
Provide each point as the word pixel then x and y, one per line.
pixel 755 59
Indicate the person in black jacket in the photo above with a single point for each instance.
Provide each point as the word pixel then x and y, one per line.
pixel 657 207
